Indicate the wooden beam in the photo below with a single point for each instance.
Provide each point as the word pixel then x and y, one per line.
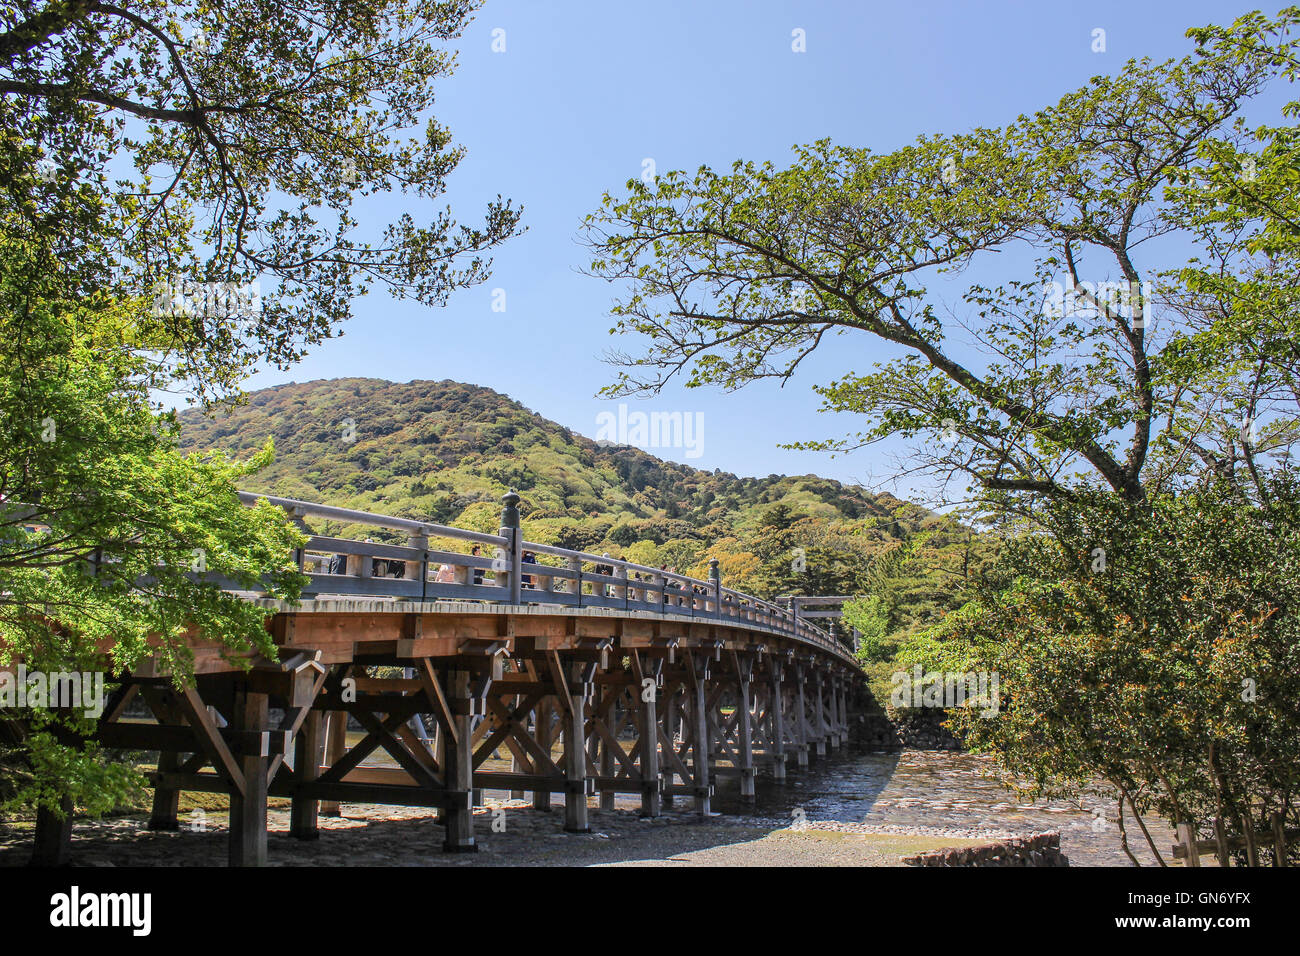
pixel 575 755
pixel 305 812
pixel 646 692
pixel 458 766
pixel 210 739
pixel 248 806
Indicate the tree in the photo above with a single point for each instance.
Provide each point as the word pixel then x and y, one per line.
pixel 1152 645
pixel 735 277
pixel 113 545
pixel 870 617
pixel 159 162
pixel 251 127
pixel 1107 397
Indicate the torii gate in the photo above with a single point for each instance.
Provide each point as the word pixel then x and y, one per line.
pixel 829 606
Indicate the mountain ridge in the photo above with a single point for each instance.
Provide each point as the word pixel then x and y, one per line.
pixel 445 451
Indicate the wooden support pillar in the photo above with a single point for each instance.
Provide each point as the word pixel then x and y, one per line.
pixel 544 737
pixel 777 707
pixel 801 716
pixel 845 686
pixel 832 712
pixel 52 845
pixel 336 745
pixel 248 810
pixel 305 812
pixel 477 732
pixel 670 734
pixel 166 800
pixel 458 766
pixel 819 725
pixel 517 766
pixel 575 758
pixel 744 677
pixel 648 743
pixel 699 671
pixel 645 692
pixel 607 758
pixel 841 724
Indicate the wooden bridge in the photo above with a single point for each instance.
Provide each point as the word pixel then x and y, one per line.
pixel 518 666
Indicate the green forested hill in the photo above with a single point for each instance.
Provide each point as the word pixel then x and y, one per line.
pixel 447 451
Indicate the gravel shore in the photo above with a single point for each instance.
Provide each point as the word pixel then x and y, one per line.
pixel 510 833
pixel 866 809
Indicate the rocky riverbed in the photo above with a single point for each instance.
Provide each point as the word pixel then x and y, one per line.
pixel 858 810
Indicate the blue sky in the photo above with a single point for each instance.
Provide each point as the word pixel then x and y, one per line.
pixel 588 89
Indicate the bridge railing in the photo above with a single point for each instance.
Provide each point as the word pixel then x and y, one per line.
pixel 510 570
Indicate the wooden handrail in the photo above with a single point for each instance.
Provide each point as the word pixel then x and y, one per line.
pixel 367 570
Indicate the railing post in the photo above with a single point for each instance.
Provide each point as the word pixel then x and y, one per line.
pixel 514 553
pixel 715 582
pixel 419 570
pixel 621 572
pixel 575 565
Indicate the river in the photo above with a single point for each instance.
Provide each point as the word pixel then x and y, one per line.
pixel 939 790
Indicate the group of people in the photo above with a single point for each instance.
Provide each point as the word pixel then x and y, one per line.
pixel 665 573
pixel 395 568
pixel 379 567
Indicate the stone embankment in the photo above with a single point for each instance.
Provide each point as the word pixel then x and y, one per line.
pixel 1043 849
pixel 917 729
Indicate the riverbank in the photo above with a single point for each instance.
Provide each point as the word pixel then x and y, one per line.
pixel 858 810
pixel 509 833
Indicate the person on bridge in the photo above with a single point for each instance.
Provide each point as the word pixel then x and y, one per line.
pixel 608 571
pixel 476 551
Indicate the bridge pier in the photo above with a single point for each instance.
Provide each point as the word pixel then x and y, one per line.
pixel 545 732
pixel 305 811
pixel 819 726
pixel 336 745
pixel 671 692
pixel 776 693
pixel 744 676
pixel 602 750
pixel 697 666
pixel 572 704
pixel 841 711
pixel 458 754
pixel 166 800
pixel 801 718
pixel 248 802
pixel 646 690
